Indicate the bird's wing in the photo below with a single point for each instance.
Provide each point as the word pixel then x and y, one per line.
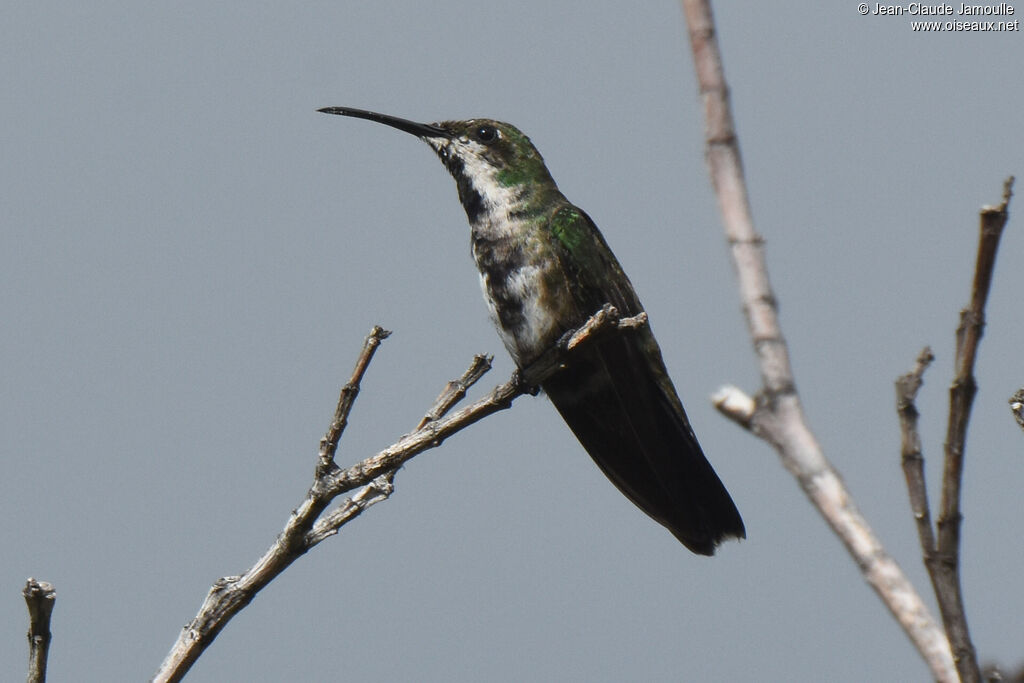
pixel 618 399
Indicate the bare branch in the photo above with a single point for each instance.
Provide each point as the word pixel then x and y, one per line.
pixel 907 387
pixel 329 443
pixel 306 527
pixel 456 389
pixel 434 433
pixel 40 597
pixel 382 487
pixel 331 522
pixel 943 556
pixel 778 417
pixel 968 336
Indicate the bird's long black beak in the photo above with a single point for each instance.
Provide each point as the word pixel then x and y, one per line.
pixel 421 130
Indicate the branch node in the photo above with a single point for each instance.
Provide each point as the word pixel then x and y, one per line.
pixel 456 389
pixel 40 598
pixel 735 404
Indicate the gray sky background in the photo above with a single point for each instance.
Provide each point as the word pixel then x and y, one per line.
pixel 192 256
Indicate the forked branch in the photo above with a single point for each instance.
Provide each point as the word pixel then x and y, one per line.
pixel 309 524
pixel 941 547
pixel 776 415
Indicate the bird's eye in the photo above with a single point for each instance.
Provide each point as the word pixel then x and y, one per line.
pixel 487 134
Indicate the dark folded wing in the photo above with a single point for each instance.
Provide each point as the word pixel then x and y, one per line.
pixel 618 399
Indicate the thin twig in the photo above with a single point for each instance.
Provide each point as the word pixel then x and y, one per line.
pixel 455 390
pixel 349 392
pixel 907 387
pixel 944 564
pixel 40 597
pixel 778 417
pixel 382 487
pixel 308 525
pixel 434 433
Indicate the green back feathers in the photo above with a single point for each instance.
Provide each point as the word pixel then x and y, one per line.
pixel 569 227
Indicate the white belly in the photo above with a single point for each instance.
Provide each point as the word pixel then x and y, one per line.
pixel 536 328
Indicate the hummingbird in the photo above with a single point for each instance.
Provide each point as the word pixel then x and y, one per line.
pixel 545 269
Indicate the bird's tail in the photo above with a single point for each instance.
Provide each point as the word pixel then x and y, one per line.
pixel 619 401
